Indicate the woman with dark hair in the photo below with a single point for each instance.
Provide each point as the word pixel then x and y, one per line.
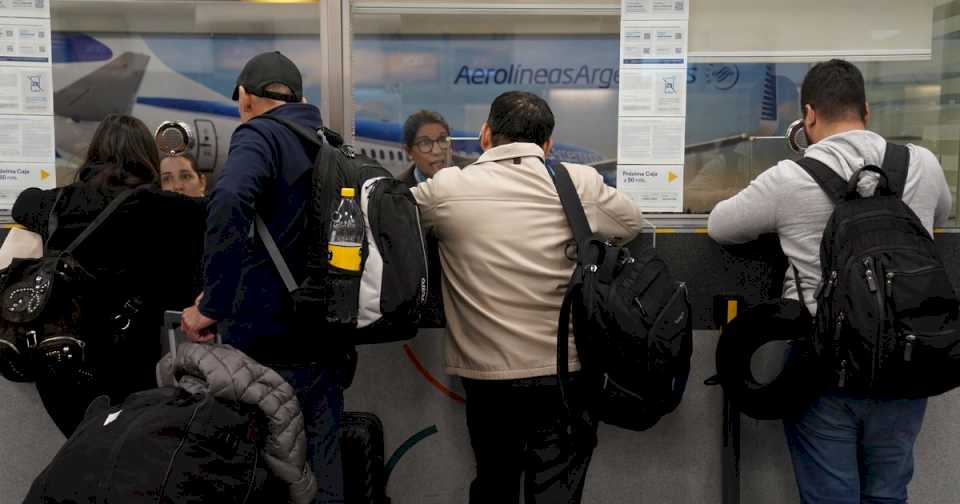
pixel 426 136
pixel 179 174
pixel 144 258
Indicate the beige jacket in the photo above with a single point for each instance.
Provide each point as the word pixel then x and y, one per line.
pixel 503 235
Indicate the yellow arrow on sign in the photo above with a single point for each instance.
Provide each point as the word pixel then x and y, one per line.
pixel 672 176
pixel 44 174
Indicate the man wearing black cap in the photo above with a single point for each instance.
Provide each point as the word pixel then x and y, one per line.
pixel 268 173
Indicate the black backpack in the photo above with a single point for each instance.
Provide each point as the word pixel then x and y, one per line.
pixel 42 327
pixel 381 302
pixel 631 325
pixel 887 321
pixel 160 445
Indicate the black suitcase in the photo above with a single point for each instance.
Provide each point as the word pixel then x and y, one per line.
pixel 161 445
pixel 361 447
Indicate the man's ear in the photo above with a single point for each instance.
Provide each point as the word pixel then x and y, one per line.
pixel 243 99
pixel 809 117
pixel 866 113
pixel 547 147
pixel 486 138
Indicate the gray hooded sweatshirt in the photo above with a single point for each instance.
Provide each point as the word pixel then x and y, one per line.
pixel 784 199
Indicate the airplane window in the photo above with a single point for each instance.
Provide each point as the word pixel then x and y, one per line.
pixel 382 155
pixel 391 155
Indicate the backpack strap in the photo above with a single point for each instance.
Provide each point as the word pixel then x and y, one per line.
pixel 53 221
pixel 101 218
pixel 577 218
pixel 275 256
pixel 572 206
pixel 828 180
pixel 896 163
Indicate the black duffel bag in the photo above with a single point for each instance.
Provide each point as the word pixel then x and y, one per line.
pixel 163 445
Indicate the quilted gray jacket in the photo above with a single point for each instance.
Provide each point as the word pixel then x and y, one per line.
pixel 228 373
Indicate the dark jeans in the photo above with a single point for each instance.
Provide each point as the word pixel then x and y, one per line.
pixel 520 430
pixel 852 450
pixel 319 390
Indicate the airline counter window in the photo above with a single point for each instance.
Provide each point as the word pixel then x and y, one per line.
pixel 737 109
pixel 133 58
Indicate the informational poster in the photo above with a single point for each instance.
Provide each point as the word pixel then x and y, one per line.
pixel 27 144
pixel 653 95
pixel 651 140
pixel 653 43
pixel 25 8
pixel 657 188
pixel 25 41
pixel 652 9
pixel 26 91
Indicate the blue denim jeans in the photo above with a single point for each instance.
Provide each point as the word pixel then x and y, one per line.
pixel 853 450
pixel 319 390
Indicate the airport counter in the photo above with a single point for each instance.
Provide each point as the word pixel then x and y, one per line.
pixel 679 461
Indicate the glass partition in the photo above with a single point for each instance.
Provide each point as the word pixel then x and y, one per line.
pixel 455 57
pixel 172 60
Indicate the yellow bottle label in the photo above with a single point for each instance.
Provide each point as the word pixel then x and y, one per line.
pixel 345 257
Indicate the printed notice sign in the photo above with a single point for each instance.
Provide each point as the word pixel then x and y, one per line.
pixel 653 102
pixel 650 9
pixel 651 140
pixel 653 43
pixel 27 145
pixel 658 188
pixel 25 8
pixel 24 41
pixel 26 91
pixel 653 92
pixel 27 138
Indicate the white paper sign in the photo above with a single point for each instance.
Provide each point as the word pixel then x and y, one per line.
pixel 25 8
pixel 25 41
pixel 651 140
pixel 653 93
pixel 26 138
pixel 648 9
pixel 653 43
pixel 657 188
pixel 26 91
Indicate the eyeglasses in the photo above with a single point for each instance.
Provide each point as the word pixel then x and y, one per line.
pixel 425 145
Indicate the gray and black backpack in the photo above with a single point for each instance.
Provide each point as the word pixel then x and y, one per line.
pixel 382 302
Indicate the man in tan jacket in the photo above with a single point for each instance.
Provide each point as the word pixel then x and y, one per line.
pixel 505 249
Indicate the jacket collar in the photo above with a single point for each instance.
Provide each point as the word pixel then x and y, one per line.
pixel 511 151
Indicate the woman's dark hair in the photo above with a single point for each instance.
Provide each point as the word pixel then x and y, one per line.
pixel 122 153
pixel 419 119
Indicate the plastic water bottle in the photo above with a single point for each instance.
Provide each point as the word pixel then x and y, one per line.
pixel 346 233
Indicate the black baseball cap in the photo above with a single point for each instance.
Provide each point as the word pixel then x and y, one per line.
pixel 270 68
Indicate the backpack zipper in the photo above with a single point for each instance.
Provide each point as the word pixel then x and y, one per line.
pixel 908 347
pixel 869 264
pixel 838 328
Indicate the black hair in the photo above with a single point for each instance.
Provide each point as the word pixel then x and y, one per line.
pixel 519 116
pixel 419 119
pixel 122 153
pixel 835 90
